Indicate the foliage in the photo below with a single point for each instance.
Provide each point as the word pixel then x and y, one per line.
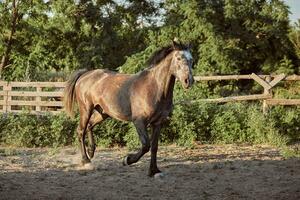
pixel 294 36
pixel 227 126
pixel 110 133
pixel 53 38
pixel 183 129
pixel 198 122
pixel 36 131
pixel 131 138
pixel 287 121
pixel 67 35
pixel 228 36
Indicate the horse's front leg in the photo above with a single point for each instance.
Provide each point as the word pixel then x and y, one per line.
pixel 140 126
pixel 153 169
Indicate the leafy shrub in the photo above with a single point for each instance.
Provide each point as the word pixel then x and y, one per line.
pixel 227 126
pixel 261 128
pixel 131 138
pixel 32 131
pixel 205 122
pixel 3 123
pixel 61 130
pixel 110 132
pixel 189 123
pixel 287 121
pixel 21 131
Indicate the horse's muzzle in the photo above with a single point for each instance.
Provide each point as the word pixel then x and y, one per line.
pixel 188 82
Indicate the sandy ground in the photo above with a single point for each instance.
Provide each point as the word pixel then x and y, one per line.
pixel 206 172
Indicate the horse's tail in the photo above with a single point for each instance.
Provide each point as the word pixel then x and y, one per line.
pixel 69 92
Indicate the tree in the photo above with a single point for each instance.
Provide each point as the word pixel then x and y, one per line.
pixel 13 17
pixel 17 34
pixel 295 37
pixel 64 35
pixel 230 36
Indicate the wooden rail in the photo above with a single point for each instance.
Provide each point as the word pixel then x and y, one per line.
pixel 41 97
pixel 266 81
pixel 36 97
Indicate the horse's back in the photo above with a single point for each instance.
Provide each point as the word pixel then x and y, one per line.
pixel 108 89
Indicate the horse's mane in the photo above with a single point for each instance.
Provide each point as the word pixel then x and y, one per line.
pixel 163 52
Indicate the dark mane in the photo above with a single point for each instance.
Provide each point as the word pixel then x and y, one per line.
pixel 160 54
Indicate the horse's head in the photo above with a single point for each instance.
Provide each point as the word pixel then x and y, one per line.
pixel 182 63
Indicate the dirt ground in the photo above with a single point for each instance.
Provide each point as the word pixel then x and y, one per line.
pixel 206 172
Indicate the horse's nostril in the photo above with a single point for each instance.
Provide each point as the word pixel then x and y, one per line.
pixel 186 81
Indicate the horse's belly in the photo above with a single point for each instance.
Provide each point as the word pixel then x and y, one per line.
pixel 119 116
pixel 115 109
pixel 113 98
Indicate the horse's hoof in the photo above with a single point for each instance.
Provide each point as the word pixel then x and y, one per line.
pixel 153 172
pixel 85 161
pixel 91 151
pixel 159 175
pixel 90 154
pixel 86 167
pixel 125 161
pixel 89 166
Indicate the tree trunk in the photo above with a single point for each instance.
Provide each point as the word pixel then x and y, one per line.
pixel 14 21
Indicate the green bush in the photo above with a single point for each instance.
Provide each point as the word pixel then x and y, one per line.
pixel 131 138
pixel 204 122
pixel 110 132
pixel 189 123
pixel 21 130
pixel 287 121
pixel 36 131
pixel 61 130
pixel 228 123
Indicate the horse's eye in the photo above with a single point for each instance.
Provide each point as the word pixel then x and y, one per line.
pixel 178 58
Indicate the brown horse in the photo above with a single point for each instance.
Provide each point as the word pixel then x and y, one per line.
pixel 145 98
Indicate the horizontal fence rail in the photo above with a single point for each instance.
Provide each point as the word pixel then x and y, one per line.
pixel 43 97
pixel 266 81
pixel 35 97
pixel 241 77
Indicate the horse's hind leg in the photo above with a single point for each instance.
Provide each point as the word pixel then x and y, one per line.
pixel 95 119
pixel 91 146
pixel 85 115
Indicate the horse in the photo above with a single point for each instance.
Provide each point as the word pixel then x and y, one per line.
pixel 145 99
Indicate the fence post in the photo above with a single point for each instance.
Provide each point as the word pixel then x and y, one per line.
pixel 7 97
pixel 38 99
pixel 267 91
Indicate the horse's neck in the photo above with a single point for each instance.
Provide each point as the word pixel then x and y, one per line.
pixel 164 79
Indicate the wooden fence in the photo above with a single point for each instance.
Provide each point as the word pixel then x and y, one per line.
pixel 266 81
pixel 36 97
pixel 41 97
